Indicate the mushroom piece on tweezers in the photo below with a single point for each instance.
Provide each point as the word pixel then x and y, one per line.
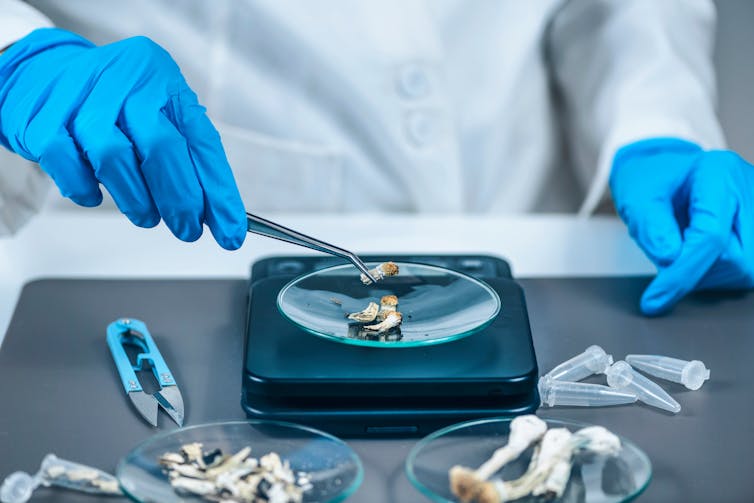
pixel 380 271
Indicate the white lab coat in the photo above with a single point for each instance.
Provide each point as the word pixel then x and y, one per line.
pixel 416 105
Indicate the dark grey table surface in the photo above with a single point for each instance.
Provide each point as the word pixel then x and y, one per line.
pixel 59 391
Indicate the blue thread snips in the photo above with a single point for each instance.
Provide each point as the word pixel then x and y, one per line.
pixel 133 332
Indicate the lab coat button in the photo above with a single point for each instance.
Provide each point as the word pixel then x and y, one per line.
pixel 413 82
pixel 420 128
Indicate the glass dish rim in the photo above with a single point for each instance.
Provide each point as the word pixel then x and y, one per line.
pixel 397 344
pixel 426 491
pixel 347 492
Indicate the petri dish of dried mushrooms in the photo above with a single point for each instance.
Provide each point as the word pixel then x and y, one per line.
pixel 414 305
pixel 241 462
pixel 480 462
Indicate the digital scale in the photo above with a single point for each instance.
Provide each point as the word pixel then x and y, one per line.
pixel 347 390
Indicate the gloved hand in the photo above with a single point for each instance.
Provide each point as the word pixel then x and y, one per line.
pixel 121 115
pixel 691 212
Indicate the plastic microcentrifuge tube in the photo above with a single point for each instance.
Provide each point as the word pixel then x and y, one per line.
pixel 19 486
pixel 621 376
pixel 593 360
pixel 581 394
pixel 691 374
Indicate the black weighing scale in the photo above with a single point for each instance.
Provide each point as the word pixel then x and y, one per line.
pixel 291 375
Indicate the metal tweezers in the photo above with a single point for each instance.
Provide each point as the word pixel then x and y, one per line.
pixel 264 227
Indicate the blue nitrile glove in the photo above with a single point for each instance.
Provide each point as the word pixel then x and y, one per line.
pixel 691 211
pixel 121 115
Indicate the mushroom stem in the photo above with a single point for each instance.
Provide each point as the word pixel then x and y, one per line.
pixel 550 467
pixel 466 483
pixel 391 320
pixel 554 448
pixel 525 430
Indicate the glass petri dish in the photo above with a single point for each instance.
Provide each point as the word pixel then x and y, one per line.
pixel 438 305
pixel 593 479
pixel 334 469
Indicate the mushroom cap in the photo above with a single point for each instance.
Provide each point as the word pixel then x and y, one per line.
pixel 389 268
pixel 390 300
pixel 463 482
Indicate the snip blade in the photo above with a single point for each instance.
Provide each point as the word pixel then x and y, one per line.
pixel 171 401
pixel 146 405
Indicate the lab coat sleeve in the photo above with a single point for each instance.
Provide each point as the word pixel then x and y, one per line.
pixel 17 20
pixel 626 70
pixel 23 186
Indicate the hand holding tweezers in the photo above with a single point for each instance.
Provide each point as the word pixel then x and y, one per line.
pixel 264 227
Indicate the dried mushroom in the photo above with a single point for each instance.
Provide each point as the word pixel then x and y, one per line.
pixel 549 468
pixel 87 474
pixel 391 321
pixel 235 478
pixel 192 452
pixel 380 272
pixel 388 304
pixel 386 315
pixel 524 431
pixel 367 315
pixel 358 332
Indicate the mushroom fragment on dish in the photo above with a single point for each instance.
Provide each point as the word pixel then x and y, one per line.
pixel 554 448
pixel 236 478
pixel 366 315
pixel 386 314
pixel 597 440
pixel 524 431
pixel 549 468
pixel 388 304
pixel 171 458
pixel 391 321
pixel 194 486
pixel 193 453
pixel 380 271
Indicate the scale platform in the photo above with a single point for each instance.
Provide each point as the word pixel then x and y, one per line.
pixel 291 375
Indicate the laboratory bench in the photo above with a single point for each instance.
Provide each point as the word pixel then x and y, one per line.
pixel 67 274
